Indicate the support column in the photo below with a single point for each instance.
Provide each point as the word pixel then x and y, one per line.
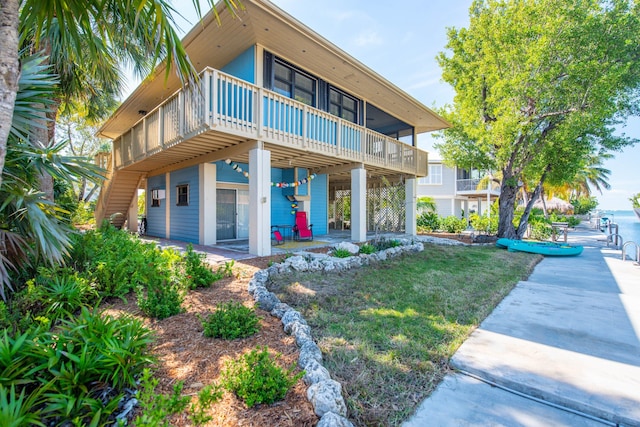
pixel 359 205
pixel 411 206
pixel 132 214
pixel 167 206
pixel 259 201
pixel 207 208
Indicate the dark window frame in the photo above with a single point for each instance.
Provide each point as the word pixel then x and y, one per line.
pixel 294 87
pixel 342 95
pixel 182 199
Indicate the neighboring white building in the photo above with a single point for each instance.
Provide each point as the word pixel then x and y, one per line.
pixel 457 191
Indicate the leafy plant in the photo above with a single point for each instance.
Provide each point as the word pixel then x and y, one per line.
pixel 231 320
pixel 227 269
pixel 428 221
pixel 341 253
pixel 367 248
pixel 209 395
pixel 635 200
pixel 488 224
pixel 453 224
pixel 197 273
pixel 20 410
pixel 160 298
pixel 157 407
pixel 256 378
pixel 384 243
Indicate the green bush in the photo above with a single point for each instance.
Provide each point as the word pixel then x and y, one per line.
pixel 341 253
pixel 584 205
pixel 231 320
pixel 453 224
pixel 428 221
pixel 160 298
pixel 197 273
pixel 156 408
pixel 484 223
pixel 74 373
pixel 256 378
pixel 384 243
pixel 367 248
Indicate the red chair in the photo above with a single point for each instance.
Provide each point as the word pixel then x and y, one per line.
pixel 302 231
pixel 276 236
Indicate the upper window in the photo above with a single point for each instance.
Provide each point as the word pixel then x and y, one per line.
pixel 434 177
pixel 293 83
pixel 182 195
pixel 343 105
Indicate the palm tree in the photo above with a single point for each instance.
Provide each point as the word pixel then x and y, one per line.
pixel 32 228
pixel 88 39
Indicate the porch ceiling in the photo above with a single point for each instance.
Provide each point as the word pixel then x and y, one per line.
pixel 262 23
pixel 213 146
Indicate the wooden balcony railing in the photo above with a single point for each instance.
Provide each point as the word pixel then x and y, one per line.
pixel 226 104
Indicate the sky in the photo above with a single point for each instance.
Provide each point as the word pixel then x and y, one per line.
pixel 400 41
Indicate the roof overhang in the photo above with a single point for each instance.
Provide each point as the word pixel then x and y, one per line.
pixel 262 23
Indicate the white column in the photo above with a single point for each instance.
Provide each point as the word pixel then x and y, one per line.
pixel 359 205
pixel 207 213
pixel 410 226
pixel 167 205
pixel 259 202
pixel 132 214
pixel 488 203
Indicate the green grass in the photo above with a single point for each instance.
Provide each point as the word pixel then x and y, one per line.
pixel 387 331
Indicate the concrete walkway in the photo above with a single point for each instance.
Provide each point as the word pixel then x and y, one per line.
pixel 561 349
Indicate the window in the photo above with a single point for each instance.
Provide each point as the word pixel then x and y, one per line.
pixel 343 105
pixel 434 177
pixel 182 195
pixel 293 83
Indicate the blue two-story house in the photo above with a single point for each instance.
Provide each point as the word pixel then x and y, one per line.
pixel 280 116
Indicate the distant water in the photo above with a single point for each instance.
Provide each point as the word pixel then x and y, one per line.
pixel 628 224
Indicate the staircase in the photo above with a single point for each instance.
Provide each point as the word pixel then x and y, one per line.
pixel 118 190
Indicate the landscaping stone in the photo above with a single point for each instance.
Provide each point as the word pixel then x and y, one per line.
pixel 314 372
pixel 353 249
pixel 291 316
pixel 298 263
pixel 266 300
pixel 331 419
pixel 261 276
pixel 279 310
pixel 301 332
pixel 309 351
pixel 326 396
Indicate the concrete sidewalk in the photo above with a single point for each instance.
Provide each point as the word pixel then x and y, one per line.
pixel 563 349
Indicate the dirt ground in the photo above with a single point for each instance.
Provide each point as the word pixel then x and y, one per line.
pixel 185 354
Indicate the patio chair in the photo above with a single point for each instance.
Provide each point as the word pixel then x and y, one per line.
pixel 302 231
pixel 276 236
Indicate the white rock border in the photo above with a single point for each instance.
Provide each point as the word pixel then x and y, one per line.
pixel 324 393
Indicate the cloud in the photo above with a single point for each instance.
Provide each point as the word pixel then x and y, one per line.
pixel 368 38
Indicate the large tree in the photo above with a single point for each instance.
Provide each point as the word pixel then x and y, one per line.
pixel 88 41
pixel 539 87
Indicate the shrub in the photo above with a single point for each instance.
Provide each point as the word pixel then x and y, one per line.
pixel 231 320
pixel 384 243
pixel 584 205
pixel 367 248
pixel 428 221
pixel 341 253
pixel 197 273
pixel 483 223
pixel 256 378
pixel 160 298
pixel 453 224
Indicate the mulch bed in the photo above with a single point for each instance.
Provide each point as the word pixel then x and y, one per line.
pixel 185 354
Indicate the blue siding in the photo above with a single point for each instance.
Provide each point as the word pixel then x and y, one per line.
pixel 243 66
pixel 156 217
pixel 280 206
pixel 184 219
pixel 225 173
pixel 319 209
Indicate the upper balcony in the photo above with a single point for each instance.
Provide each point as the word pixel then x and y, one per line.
pixel 478 187
pixel 223 111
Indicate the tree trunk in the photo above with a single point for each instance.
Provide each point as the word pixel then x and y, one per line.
pixel 524 219
pixel 9 71
pixel 506 205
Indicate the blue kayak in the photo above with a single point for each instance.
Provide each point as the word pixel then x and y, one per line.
pixel 542 248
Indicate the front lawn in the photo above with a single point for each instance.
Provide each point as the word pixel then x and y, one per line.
pixel 387 331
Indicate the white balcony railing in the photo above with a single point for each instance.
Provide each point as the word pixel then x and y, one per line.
pixel 226 104
pixel 477 185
